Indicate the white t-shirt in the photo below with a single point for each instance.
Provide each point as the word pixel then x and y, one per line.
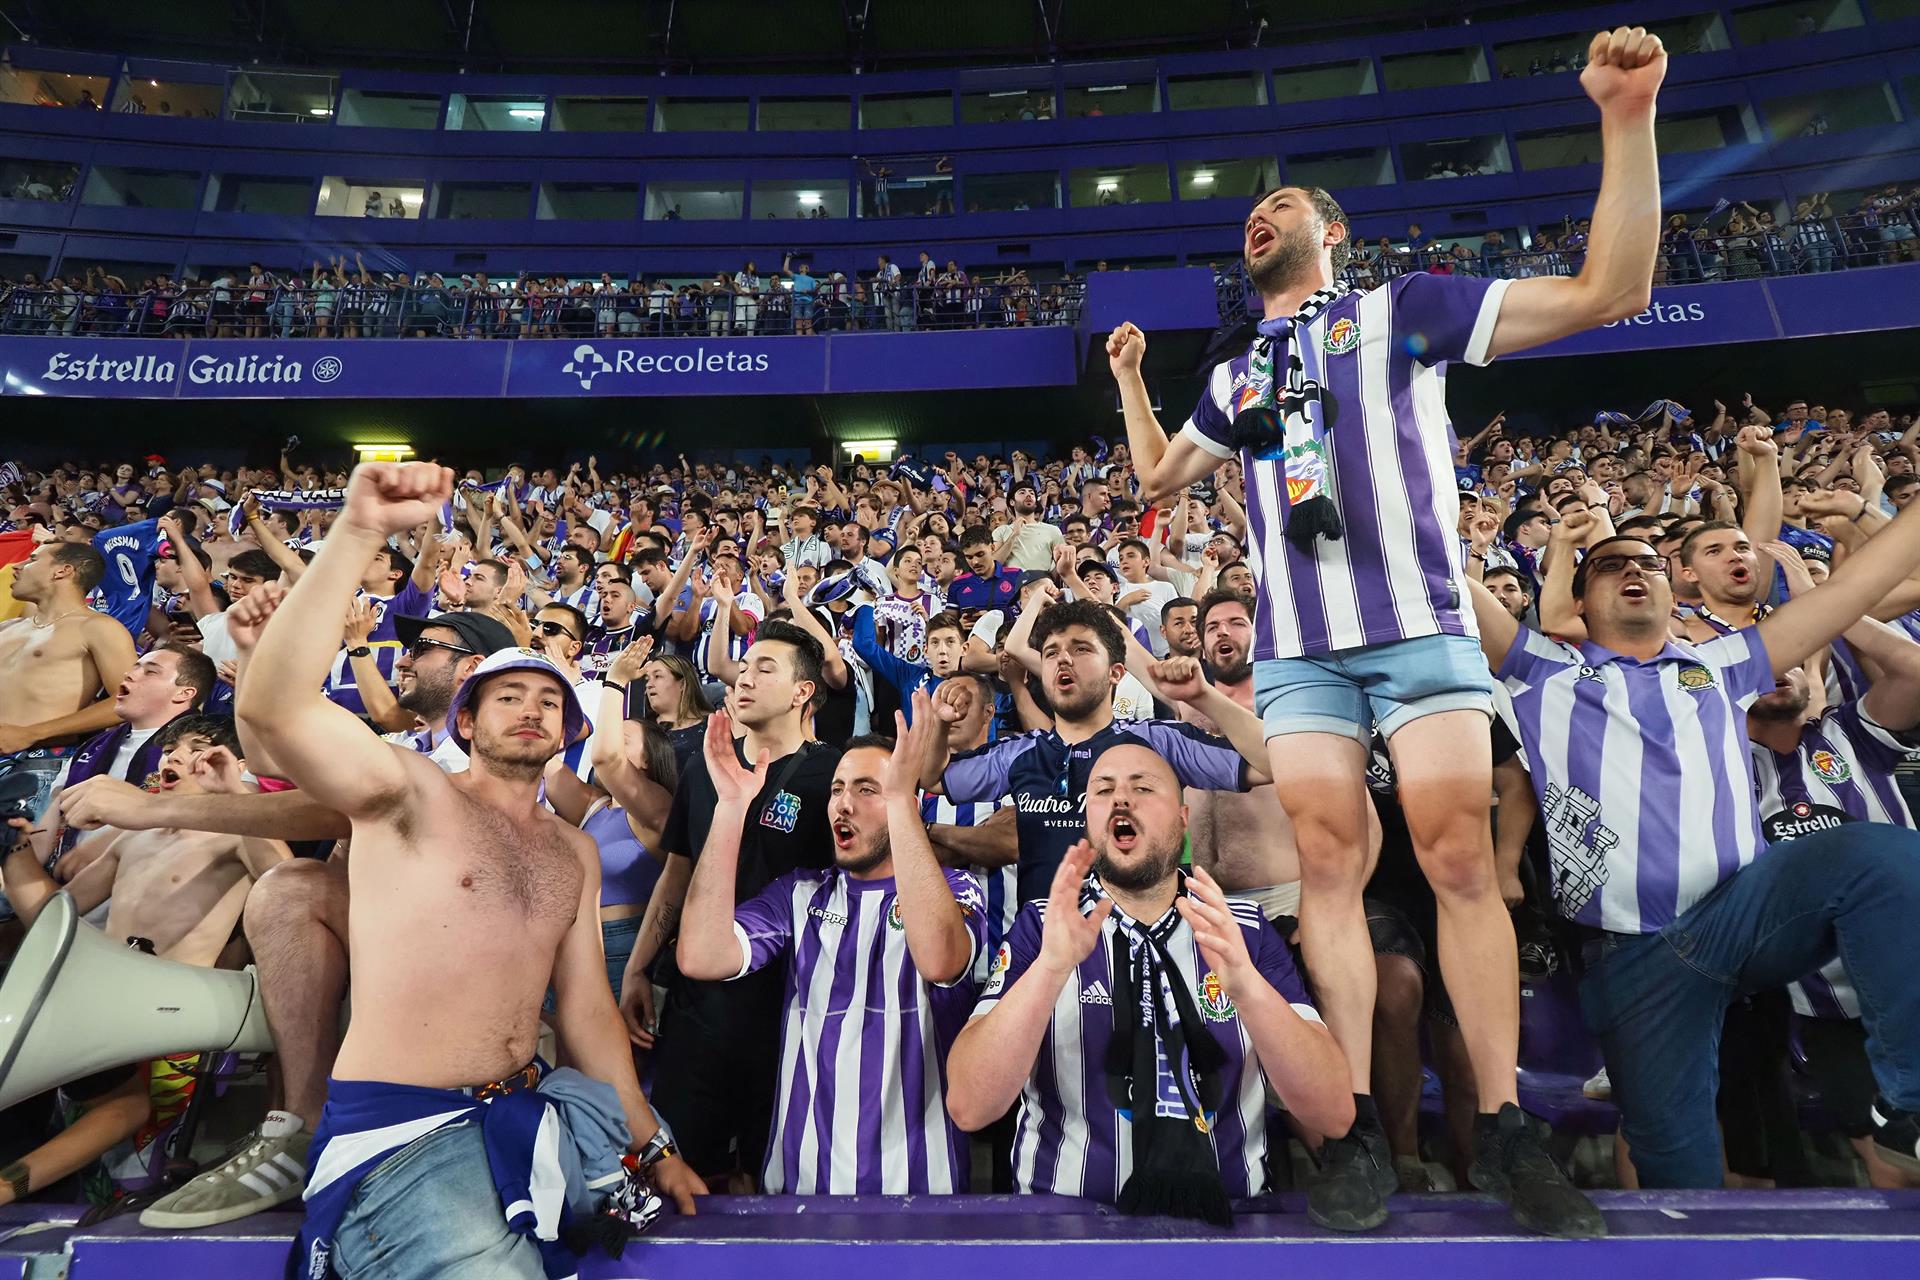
pixel 214 640
pixel 1147 612
pixel 1131 701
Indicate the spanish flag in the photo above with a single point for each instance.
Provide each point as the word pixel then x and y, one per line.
pixel 14 547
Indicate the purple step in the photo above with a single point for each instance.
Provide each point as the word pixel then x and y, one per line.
pixel 1815 1235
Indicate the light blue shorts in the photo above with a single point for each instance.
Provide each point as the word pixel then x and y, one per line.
pixel 1376 688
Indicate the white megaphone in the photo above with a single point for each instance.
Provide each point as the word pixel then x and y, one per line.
pixel 74 1002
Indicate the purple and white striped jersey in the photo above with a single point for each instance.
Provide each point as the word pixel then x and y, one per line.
pixel 1642 771
pixel 999 885
pixel 585 598
pixel 1069 1139
pixel 861 1105
pixel 1397 572
pixel 1841 771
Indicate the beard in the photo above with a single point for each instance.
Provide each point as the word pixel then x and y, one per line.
pixel 1081 703
pixel 1143 871
pixel 429 697
pixel 1238 671
pixel 1781 705
pixel 1291 256
pixel 859 861
pixel 515 759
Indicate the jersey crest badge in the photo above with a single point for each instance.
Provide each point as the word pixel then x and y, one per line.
pixel 1214 1005
pixel 1342 336
pixel 1695 678
pixel 1830 767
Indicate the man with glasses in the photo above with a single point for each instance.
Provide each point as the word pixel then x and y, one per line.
pixel 296 917
pixel 1637 745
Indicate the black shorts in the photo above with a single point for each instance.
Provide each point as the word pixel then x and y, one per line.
pixel 1393 932
pixel 1836 1052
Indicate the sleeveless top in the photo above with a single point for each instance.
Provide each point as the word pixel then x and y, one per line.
pixel 627 870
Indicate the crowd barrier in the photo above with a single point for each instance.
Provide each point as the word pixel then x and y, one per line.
pixel 379 310
pixel 1816 246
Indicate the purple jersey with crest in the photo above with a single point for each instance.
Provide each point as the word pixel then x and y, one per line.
pixel 1841 771
pixel 861 1106
pixel 1070 1140
pixel 1641 769
pixel 1397 572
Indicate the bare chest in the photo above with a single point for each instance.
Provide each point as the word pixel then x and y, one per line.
pixel 27 649
pixel 496 863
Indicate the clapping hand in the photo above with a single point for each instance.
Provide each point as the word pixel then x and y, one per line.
pixel 1068 937
pixel 734 784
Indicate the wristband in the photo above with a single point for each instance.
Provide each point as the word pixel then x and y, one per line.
pixel 360 651
pixel 613 684
pixel 19 1177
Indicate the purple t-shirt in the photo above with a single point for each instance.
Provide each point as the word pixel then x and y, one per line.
pixel 385 643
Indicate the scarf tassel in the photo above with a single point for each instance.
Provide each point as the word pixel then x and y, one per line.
pixel 1315 517
pixel 1194 1194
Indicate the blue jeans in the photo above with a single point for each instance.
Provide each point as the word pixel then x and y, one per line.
pixel 1657 1001
pixel 1354 692
pixel 430 1212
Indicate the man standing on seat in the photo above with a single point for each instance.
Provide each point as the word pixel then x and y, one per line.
pixel 1337 415
pixel 442 1022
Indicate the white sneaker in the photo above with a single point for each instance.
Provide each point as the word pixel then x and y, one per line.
pixel 268 1171
pixel 1600 1089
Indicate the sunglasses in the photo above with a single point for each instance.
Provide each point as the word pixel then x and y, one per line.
pixel 555 629
pixel 1618 564
pixel 418 648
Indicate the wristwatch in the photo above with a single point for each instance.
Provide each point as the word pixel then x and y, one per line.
pixel 659 1147
pixel 360 651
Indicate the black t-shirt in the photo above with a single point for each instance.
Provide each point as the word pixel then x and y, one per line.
pixel 786 826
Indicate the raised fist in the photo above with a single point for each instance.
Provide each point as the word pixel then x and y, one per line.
pixel 392 497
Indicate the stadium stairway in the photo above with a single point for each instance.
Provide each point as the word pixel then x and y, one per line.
pixel 1722 1235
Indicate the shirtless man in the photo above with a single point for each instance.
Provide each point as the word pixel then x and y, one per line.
pixel 512 896
pixel 55 663
pixel 178 890
pixel 1244 841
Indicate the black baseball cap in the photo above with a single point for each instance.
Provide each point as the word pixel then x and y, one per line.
pixel 480 632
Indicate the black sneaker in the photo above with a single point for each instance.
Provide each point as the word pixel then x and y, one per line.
pixel 1897 1134
pixel 1538 960
pixel 1349 1192
pixel 1510 1161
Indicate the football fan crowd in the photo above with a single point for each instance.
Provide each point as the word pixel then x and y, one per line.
pixel 1114 824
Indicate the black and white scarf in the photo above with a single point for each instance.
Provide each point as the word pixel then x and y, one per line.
pixel 1163 1072
pixel 1291 421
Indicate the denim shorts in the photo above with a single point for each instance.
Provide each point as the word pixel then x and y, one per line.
pixel 44 765
pixel 1376 688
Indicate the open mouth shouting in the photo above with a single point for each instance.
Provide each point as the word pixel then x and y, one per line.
pixel 1634 589
pixel 1122 835
pixel 843 835
pixel 169 777
pixel 1260 238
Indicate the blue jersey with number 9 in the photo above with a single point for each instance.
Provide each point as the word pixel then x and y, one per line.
pixel 126 590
